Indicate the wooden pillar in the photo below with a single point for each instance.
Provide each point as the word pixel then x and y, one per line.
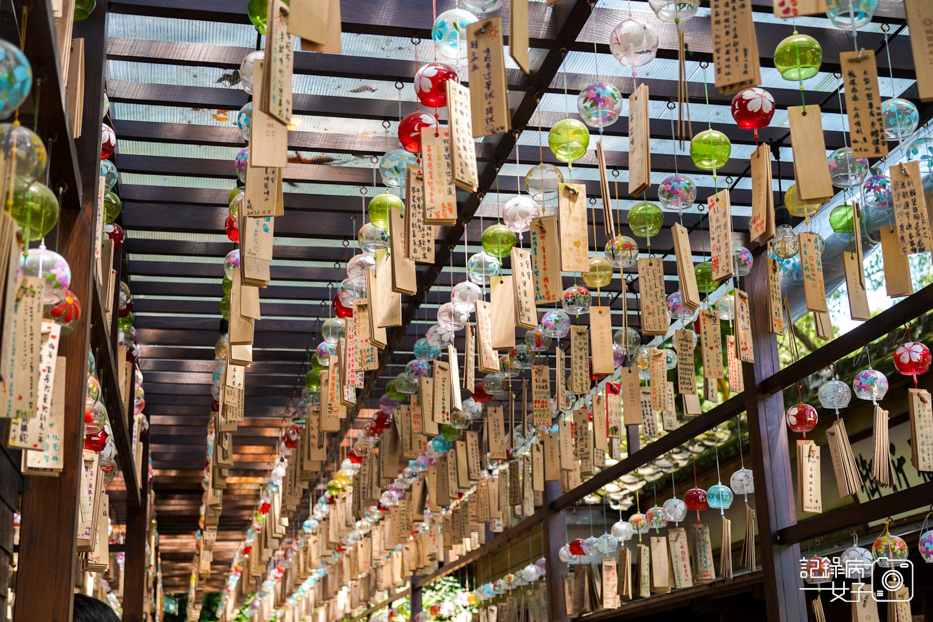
pixel 415 598
pixel 137 533
pixel 555 536
pixel 774 489
pixel 45 579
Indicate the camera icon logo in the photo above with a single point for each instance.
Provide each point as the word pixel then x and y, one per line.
pixel 892 580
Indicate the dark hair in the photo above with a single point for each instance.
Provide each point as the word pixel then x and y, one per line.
pixel 87 609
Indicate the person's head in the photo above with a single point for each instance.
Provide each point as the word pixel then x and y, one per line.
pixel 87 609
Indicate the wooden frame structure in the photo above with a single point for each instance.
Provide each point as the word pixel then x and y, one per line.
pixel 172 340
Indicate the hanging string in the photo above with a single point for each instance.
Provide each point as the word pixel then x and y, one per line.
pixel 803 99
pixel 738 423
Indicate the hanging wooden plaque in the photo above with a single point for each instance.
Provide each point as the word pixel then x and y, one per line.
pixel 19 382
pixel 711 344
pixel 560 377
pixel 653 298
pixel 462 145
pixel 910 208
pixel 775 299
pixel 456 402
pixel 502 309
pixel 440 194
pixel 639 156
pixel 268 136
pixel 488 360
pixel 256 240
pixel 579 359
pixel 863 104
pixel 441 410
pixel 600 422
pixel 720 234
pixel 608 224
pixel 353 375
pixel 705 566
pixel 761 225
pixel 30 430
pixel 404 278
pixel 583 441
pixel 541 394
pixel 685 342
pixel 545 259
pixel 489 94
pixel 565 439
pixel 420 236
pixel 518 34
pixel 921 429
pixel 328 27
pixel 733 366
pixel 631 396
pixel 811 263
pixel 669 411
pixel 680 557
pixel 735 47
pixel 47 458
pixel 809 493
pixel 574 240
pixel 386 305
pixel 855 273
pixel 364 330
pixel 496 434
pixel 526 316
pixel 897 280
pixel 551 457
pixel 686 275
pixel 919 19
pixel 263 193
pixel 657 377
pixel 601 340
pixel 795 8
pixel 469 358
pixel 614 410
pixel 810 170
pixel 347 389
pixel 279 63
pixel 649 425
pixel 743 327
pixel 426 390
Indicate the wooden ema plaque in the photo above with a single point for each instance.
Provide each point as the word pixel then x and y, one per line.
pixel 440 195
pixel 545 259
pixel 735 48
pixel 686 275
pixel 720 234
pixel 855 273
pixel 279 61
pixel 489 100
pixel 574 240
pixel 863 104
pixel 639 158
pixel 654 317
pixel 910 209
pixel 810 170
pixel 526 315
pixel 419 240
pixel 502 312
pixel 601 340
pixel 268 135
pixel 488 360
pixel 811 264
pixel 711 344
pixel 761 225
pixel 518 34
pixel 462 145
pixel 920 20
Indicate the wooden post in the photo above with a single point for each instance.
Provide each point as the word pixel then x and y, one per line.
pixel 45 580
pixel 415 598
pixel 137 533
pixel 555 536
pixel 774 490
